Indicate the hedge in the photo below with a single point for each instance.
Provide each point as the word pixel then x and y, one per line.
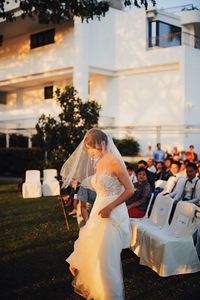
pixel 15 161
pixel 127 146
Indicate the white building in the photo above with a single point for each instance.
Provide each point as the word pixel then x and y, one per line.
pixel 142 66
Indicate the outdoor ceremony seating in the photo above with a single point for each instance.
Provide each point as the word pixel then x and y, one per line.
pixel 171 250
pixel 31 188
pixel 50 186
pixel 158 218
pixel 160 183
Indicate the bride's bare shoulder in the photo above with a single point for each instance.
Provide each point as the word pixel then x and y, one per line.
pixel 111 160
pixel 110 156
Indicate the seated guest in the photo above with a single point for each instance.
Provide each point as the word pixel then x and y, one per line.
pixel 191 154
pixel 167 173
pixel 175 184
pixel 198 169
pixel 142 164
pixel 69 196
pixel 131 172
pixel 191 189
pixel 150 175
pixel 137 204
pixel 176 155
pixel 183 167
pixel 86 199
pixel 75 187
pixel 160 171
pixel 151 165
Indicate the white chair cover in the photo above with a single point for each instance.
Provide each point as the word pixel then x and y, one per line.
pixel 31 188
pixel 158 218
pixel 50 186
pixel 160 183
pixel 171 250
pixel 197 214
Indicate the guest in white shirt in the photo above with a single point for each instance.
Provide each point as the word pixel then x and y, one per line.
pixel 151 165
pixel 175 183
pixel 131 172
pixel 191 190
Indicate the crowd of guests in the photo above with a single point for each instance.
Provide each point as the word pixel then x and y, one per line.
pixel 168 174
pixel 165 173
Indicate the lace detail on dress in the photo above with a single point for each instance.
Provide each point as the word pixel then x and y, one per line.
pixel 107 185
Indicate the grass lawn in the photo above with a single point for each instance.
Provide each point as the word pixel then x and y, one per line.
pixel 35 242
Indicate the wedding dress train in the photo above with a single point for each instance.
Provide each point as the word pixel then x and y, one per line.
pixel 96 261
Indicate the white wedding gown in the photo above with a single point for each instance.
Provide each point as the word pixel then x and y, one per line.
pixel 96 255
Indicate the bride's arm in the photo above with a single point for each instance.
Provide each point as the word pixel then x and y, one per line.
pixel 124 178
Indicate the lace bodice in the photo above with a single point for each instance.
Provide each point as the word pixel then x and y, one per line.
pixel 107 185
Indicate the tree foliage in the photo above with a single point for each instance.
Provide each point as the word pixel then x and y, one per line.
pixel 127 146
pixel 57 10
pixel 59 137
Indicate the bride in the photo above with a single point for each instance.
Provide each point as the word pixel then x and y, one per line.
pixel 95 262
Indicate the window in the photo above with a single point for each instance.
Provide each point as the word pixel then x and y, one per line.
pixel 48 92
pixel 1 40
pixel 42 38
pixel 163 34
pixel 3 96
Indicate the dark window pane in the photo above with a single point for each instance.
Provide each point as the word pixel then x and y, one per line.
pixel 3 96
pixel 48 92
pixel 164 35
pixel 169 35
pixel 1 39
pixel 42 38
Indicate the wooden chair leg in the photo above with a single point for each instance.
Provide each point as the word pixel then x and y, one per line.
pixel 64 212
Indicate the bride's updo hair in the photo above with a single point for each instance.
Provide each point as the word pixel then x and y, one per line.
pixel 94 137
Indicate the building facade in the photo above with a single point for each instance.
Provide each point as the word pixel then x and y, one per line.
pixel 142 66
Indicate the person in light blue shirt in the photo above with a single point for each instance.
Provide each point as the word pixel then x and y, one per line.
pixel 159 154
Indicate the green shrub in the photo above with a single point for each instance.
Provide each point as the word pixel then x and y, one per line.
pixel 18 140
pixel 15 161
pixel 127 146
pixel 2 140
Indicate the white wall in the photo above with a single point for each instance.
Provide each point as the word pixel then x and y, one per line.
pixel 192 97
pixel 17 59
pixel 192 85
pixel 100 41
pixel 103 90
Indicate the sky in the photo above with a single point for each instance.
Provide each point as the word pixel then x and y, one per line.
pixel 174 3
pixel 170 3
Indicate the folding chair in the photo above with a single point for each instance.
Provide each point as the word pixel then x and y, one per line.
pixel 171 250
pixel 158 218
pixel 31 188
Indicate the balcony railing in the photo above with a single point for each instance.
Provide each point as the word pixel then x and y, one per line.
pixel 191 40
pixel 179 8
pixel 174 39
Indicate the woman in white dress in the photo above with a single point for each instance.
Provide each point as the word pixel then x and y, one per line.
pixel 95 261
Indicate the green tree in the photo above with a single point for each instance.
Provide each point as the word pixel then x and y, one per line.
pixel 60 136
pixel 58 10
pixel 127 146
